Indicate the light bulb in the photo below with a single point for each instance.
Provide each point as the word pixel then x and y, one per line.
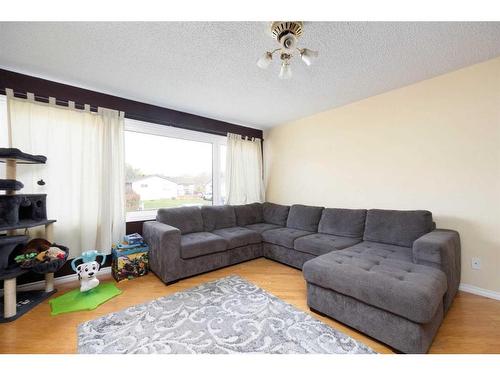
pixel 308 56
pixel 285 71
pixel 265 60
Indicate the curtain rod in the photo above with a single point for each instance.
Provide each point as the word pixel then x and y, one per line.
pixel 45 99
pixel 65 103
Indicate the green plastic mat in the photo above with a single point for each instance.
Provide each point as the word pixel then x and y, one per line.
pixel 78 301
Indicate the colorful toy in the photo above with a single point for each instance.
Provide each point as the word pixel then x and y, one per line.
pixel 87 270
pixel 74 300
pixel 91 293
pixel 52 253
pixel 88 256
pixel 124 245
pixel 130 258
pixel 133 239
pixel 38 251
pixel 23 257
pixel 55 253
pixel 129 266
pixel 87 275
pixel 26 260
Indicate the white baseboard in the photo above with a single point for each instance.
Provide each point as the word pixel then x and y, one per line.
pixel 479 291
pixel 58 280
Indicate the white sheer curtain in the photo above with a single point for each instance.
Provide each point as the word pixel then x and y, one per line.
pixel 244 170
pixel 84 173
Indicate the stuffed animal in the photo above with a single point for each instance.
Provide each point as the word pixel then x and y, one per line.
pixel 37 251
pixel 56 253
pixel 51 254
pixel 87 275
pixel 26 260
pixel 37 245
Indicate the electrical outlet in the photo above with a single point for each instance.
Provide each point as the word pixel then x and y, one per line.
pixel 476 263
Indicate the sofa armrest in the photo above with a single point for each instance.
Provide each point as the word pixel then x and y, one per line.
pixel 437 247
pixel 164 243
pixel 441 249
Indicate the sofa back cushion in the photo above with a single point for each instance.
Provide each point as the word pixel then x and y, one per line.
pixel 218 217
pixel 275 213
pixel 304 217
pixel 397 227
pixel 186 219
pixel 342 222
pixel 248 214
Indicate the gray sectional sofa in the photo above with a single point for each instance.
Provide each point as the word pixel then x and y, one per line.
pixel 389 274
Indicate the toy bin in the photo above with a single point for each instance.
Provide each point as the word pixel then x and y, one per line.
pixel 129 263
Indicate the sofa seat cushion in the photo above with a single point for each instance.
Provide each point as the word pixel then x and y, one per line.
pixel 395 227
pixel 262 227
pixel 238 236
pixel 283 236
pixel 412 291
pixel 304 217
pixel 319 244
pixel 248 214
pixel 201 243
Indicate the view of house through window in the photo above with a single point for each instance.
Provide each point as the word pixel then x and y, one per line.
pixel 168 167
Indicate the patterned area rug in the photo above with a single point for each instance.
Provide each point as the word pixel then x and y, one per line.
pixel 229 315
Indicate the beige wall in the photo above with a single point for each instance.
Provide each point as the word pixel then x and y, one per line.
pixel 433 145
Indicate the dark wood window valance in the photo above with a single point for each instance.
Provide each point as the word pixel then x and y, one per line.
pixel 43 89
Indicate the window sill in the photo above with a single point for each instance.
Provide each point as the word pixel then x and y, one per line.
pixel 141 216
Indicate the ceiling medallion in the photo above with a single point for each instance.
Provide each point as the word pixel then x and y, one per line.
pixel 287 35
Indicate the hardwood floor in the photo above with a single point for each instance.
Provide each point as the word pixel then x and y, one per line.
pixel 471 326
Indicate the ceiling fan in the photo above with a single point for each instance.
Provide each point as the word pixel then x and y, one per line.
pixel 287 34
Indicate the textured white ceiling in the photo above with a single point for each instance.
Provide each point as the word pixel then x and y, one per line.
pixel 208 68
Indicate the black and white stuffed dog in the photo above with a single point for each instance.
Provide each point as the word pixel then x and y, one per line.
pixel 87 275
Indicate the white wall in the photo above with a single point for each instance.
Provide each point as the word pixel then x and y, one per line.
pixel 433 145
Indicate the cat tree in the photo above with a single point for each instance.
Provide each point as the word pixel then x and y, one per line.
pixel 20 211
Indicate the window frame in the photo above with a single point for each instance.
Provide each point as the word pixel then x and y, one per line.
pixel 189 135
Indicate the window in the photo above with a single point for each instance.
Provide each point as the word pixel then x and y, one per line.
pixel 171 167
pixel 165 166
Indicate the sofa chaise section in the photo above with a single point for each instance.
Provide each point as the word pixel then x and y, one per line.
pixel 438 248
pixel 377 287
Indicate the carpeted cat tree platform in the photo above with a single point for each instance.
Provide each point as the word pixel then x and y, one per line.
pixel 20 211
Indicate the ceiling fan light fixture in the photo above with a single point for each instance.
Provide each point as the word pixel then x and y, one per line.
pixel 265 60
pixel 285 71
pixel 308 56
pixel 287 34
